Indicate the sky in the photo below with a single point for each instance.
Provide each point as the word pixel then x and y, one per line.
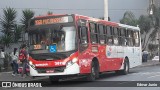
pixel 93 8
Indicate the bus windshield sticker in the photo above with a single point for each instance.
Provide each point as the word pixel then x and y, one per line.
pixel 37 46
pixel 53 48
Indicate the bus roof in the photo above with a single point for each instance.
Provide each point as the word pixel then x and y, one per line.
pixel 108 22
pixel 95 20
pixel 129 27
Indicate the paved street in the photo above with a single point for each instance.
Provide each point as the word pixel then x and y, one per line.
pixel 6 76
pixel 145 72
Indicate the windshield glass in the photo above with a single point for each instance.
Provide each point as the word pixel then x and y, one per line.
pixel 55 40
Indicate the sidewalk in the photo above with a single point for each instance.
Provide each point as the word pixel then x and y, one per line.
pixel 7 76
pixel 150 63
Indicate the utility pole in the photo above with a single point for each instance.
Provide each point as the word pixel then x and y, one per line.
pixel 106 10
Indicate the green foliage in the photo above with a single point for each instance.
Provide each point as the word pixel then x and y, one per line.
pixel 152 47
pixel 17 33
pixel 129 19
pixel 8 20
pixel 27 15
pixel 6 40
pixel 144 23
pixel 7 59
pixel 156 17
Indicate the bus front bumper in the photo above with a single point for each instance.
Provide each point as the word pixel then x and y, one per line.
pixel 73 69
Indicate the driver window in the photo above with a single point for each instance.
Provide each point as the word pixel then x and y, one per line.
pixel 83 37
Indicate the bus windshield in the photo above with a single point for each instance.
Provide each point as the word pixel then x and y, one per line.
pixel 62 39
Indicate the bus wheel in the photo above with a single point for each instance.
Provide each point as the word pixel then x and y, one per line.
pixel 94 72
pixel 125 71
pixel 53 79
pixel 126 68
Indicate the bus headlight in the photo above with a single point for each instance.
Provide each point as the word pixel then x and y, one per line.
pixel 31 64
pixel 69 63
pixel 74 60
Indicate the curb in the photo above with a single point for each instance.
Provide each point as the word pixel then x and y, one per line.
pixel 6 72
pixel 152 64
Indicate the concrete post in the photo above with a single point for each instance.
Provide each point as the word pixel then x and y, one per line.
pixel 106 10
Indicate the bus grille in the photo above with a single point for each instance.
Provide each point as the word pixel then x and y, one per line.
pixel 56 69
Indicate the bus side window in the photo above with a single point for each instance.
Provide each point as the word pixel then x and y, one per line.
pixel 130 40
pixel 119 36
pixel 115 36
pixel 109 35
pixel 102 34
pixel 125 37
pixel 122 37
pixel 93 33
pixel 136 38
pixel 83 37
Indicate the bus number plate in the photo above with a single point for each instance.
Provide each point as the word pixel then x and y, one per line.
pixel 49 71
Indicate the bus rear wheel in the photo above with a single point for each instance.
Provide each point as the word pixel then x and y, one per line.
pixel 125 71
pixel 94 72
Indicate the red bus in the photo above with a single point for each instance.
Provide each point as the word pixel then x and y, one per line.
pixel 66 45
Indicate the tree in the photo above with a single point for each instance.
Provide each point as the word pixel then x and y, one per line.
pixel 17 33
pixel 145 26
pixel 8 22
pixel 129 19
pixel 27 15
pixel 6 40
pixel 152 48
pixel 156 22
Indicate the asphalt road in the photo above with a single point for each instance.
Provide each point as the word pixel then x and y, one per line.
pixel 110 81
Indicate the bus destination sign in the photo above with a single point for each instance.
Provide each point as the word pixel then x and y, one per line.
pixel 53 20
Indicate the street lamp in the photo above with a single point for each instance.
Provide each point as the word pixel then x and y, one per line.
pixel 151 12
